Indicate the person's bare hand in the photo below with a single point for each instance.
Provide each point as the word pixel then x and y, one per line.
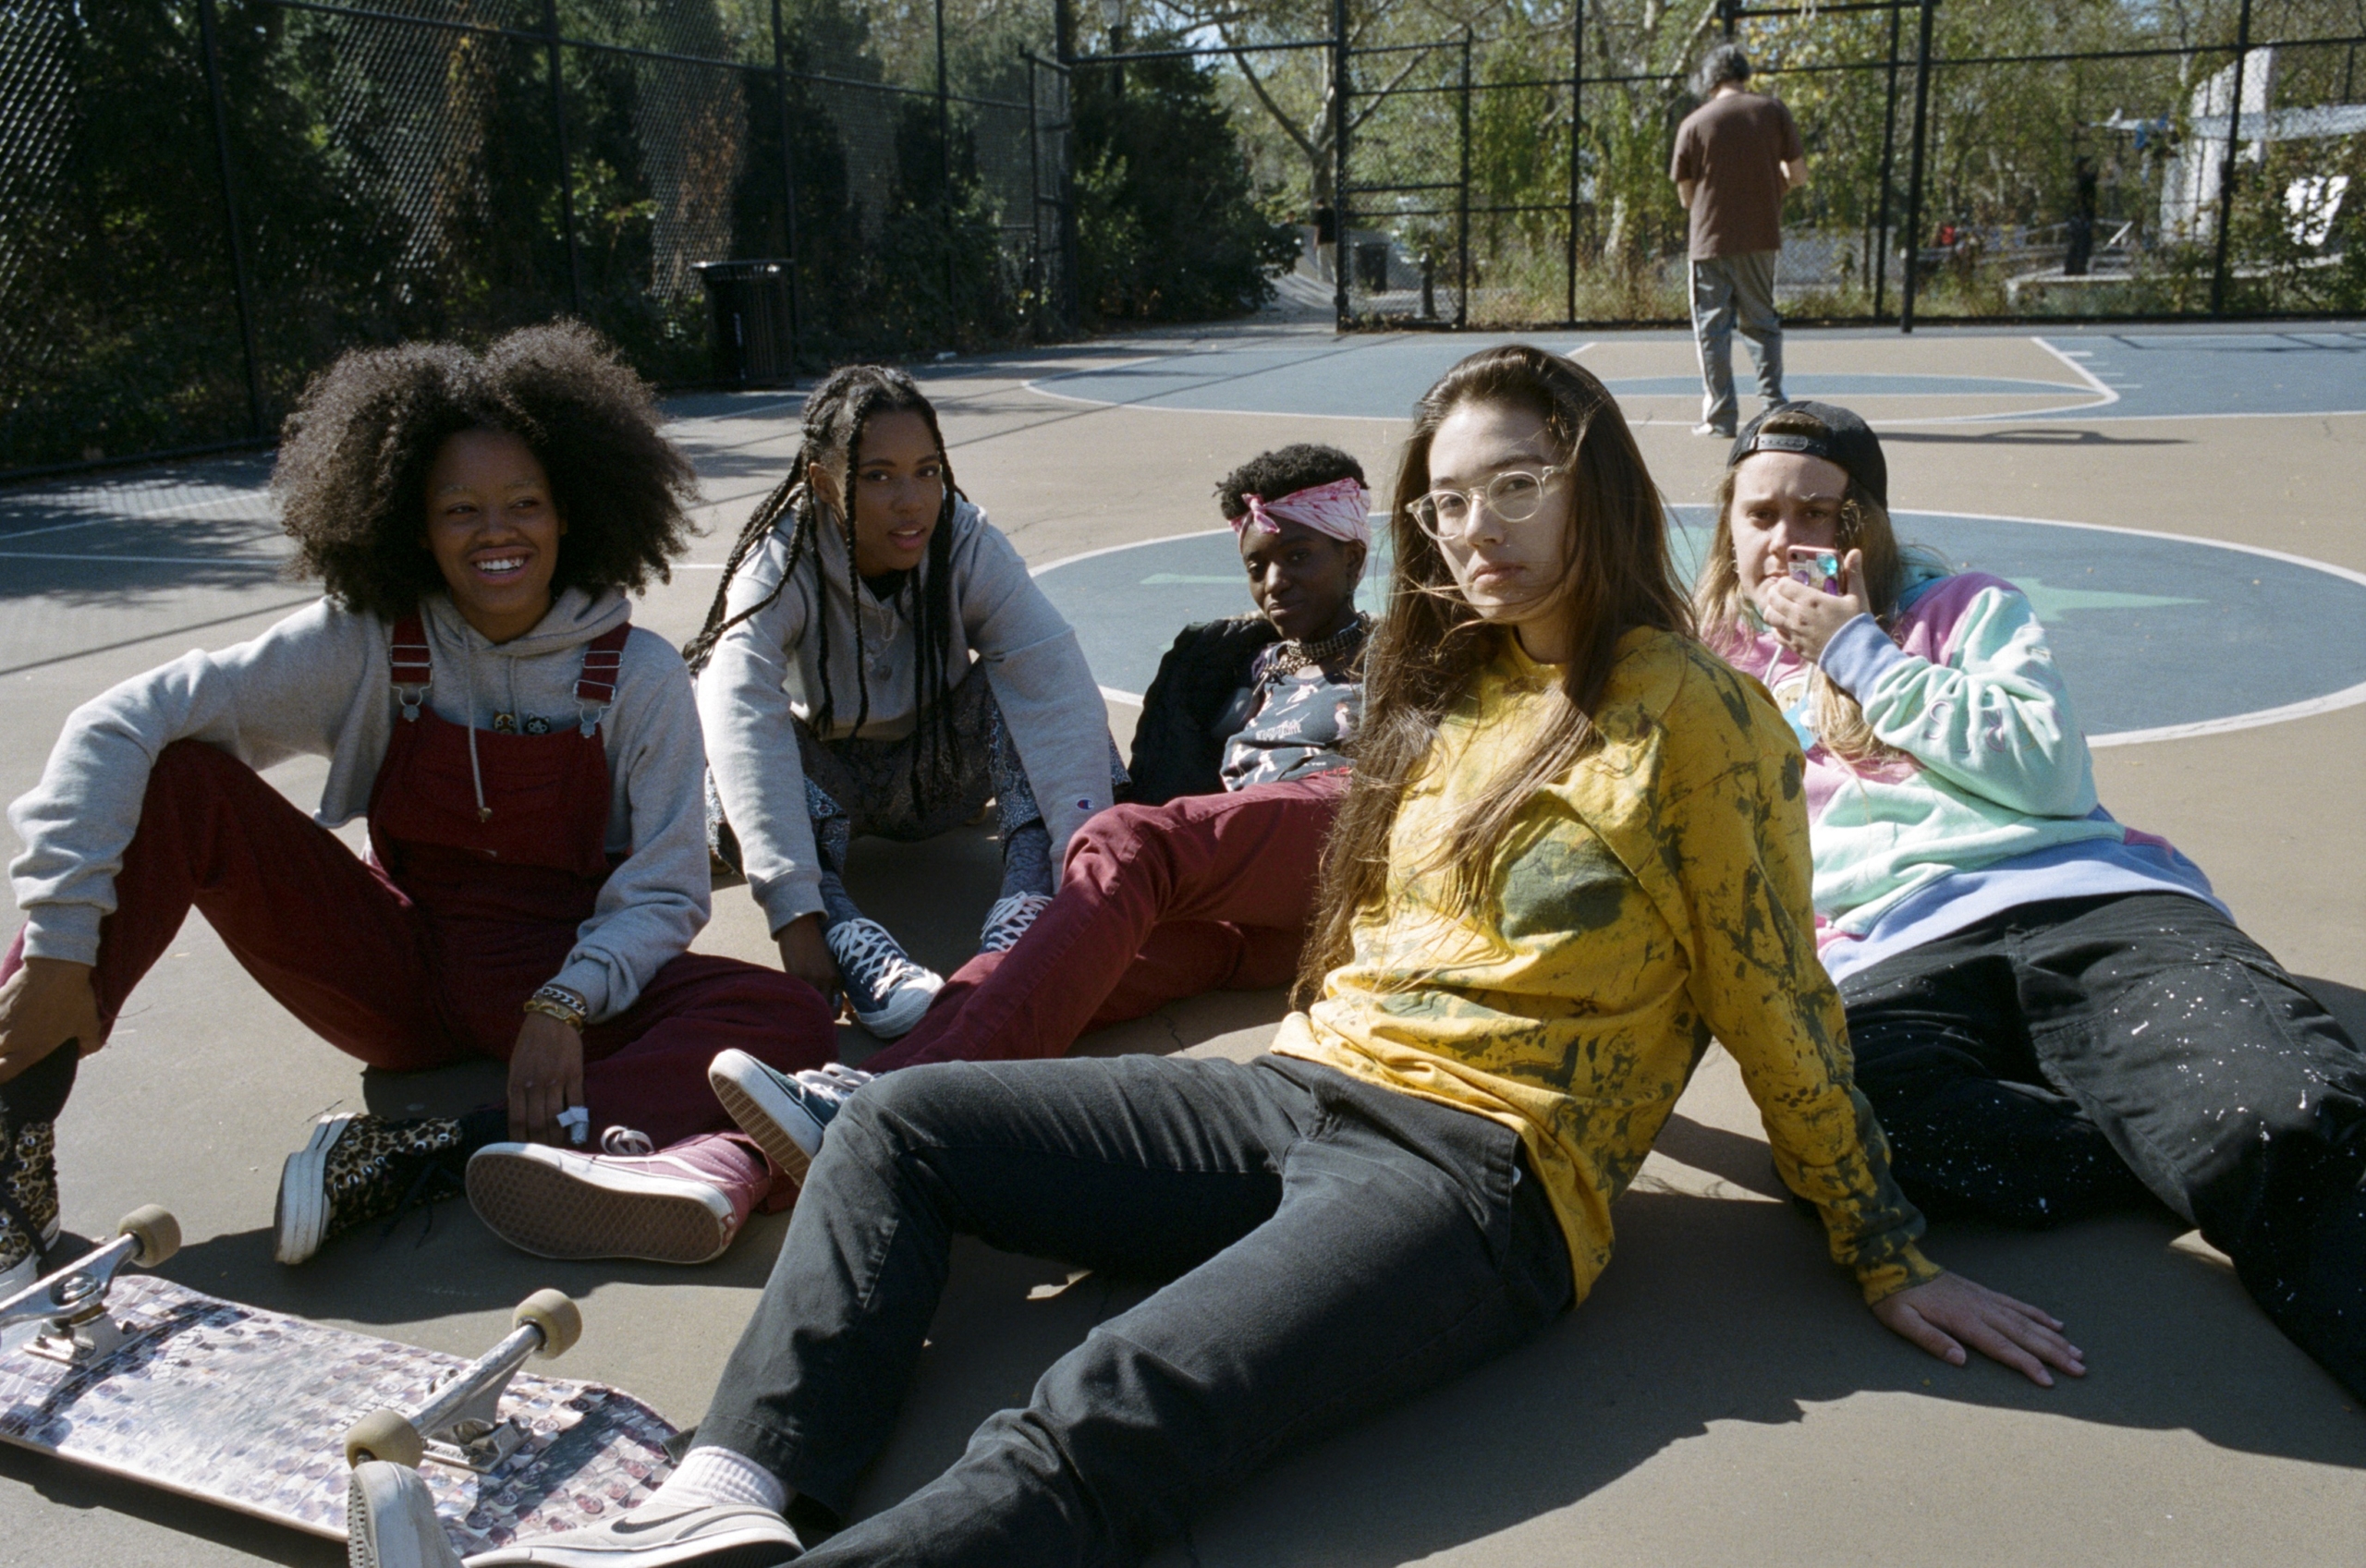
pixel 805 956
pixel 545 1077
pixel 1803 619
pixel 44 1004
pixel 1945 1314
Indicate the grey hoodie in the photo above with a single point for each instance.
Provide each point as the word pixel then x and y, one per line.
pixel 320 684
pixel 767 669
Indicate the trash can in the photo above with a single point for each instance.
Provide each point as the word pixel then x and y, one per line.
pixel 1372 266
pixel 748 322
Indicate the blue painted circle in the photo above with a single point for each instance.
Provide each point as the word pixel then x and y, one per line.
pixel 2148 632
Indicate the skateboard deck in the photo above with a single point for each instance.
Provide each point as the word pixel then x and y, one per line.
pixel 247 1409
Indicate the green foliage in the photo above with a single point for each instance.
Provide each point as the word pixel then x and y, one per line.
pixel 1170 228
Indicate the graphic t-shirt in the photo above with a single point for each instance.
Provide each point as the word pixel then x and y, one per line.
pixel 1291 724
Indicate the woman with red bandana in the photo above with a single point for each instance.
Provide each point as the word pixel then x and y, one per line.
pixel 1205 881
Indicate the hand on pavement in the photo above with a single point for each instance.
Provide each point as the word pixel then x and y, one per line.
pixel 1945 1314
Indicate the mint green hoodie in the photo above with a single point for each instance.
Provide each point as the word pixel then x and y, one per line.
pixel 1994 764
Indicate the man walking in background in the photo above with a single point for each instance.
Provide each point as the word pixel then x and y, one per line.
pixel 1736 156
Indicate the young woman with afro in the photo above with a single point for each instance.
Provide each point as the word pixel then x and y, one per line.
pixel 531 769
pixel 878 660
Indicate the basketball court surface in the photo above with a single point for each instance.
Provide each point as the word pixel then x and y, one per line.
pixel 2184 507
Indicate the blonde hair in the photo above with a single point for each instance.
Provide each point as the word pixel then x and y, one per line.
pixel 1726 614
pixel 1429 647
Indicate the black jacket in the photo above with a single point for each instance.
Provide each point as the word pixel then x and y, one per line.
pixel 1176 751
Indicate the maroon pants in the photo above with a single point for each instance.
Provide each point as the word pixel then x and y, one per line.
pixel 1205 892
pixel 402 984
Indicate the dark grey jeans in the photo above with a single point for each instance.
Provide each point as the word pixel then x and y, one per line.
pixel 2071 1056
pixel 1332 1249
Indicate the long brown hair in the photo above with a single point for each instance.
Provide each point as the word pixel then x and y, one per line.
pixel 1431 645
pixel 1725 612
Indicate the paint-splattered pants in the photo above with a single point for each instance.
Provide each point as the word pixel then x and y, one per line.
pixel 2076 1055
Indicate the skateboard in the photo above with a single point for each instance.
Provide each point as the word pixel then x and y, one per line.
pixel 264 1413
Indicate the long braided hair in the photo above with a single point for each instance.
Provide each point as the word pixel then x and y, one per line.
pixel 834 416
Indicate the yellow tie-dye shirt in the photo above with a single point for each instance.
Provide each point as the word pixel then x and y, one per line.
pixel 1654 897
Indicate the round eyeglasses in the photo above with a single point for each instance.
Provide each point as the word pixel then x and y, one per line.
pixel 1516 495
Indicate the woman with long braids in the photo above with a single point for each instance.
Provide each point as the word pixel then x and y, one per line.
pixel 1573 850
pixel 878 660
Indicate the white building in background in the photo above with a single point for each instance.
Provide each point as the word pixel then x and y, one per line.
pixel 2189 191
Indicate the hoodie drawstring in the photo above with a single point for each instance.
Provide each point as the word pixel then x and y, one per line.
pixel 476 769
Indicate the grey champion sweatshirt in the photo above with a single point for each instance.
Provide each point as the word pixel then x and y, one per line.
pixel 767 669
pixel 320 684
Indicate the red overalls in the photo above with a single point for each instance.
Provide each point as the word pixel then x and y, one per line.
pixel 424 956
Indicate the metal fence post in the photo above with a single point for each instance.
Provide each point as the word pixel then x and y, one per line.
pixel 2227 168
pixel 1034 190
pixel 787 179
pixel 1462 198
pixel 1071 247
pixel 1889 168
pixel 238 282
pixel 1576 138
pixel 945 172
pixel 1339 161
pixel 1914 179
pixel 566 164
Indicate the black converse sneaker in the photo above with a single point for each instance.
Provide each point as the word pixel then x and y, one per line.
pixel 888 992
pixel 358 1168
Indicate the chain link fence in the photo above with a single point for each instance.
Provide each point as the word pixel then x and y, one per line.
pixel 1971 162
pixel 202 201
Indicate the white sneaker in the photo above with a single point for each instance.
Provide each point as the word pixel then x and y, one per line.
pixel 1010 919
pixel 724 1536
pixel 888 992
pixel 390 1520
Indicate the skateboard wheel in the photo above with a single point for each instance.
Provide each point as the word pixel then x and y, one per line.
pixel 388 1435
pixel 158 1233
pixel 560 1322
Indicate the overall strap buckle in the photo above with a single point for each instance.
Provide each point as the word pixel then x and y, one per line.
pixel 595 687
pixel 413 669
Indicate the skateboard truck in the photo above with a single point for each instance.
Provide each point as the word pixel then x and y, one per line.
pixel 461 1424
pixel 73 1301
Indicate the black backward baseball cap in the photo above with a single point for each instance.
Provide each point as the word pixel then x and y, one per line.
pixel 1847 441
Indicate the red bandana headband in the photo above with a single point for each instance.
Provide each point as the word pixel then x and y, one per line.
pixel 1341 509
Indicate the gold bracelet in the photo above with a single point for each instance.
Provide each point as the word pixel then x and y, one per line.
pixel 551 1007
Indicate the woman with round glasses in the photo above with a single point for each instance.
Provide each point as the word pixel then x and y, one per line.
pixel 877 660
pixel 1573 851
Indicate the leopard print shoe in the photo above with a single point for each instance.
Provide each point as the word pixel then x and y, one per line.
pixel 359 1168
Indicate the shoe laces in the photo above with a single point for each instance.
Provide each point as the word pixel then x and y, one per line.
pixel 1010 919
pixel 833 1084
pixel 629 1143
pixel 871 960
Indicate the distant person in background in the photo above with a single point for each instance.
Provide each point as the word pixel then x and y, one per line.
pixel 1206 879
pixel 1737 157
